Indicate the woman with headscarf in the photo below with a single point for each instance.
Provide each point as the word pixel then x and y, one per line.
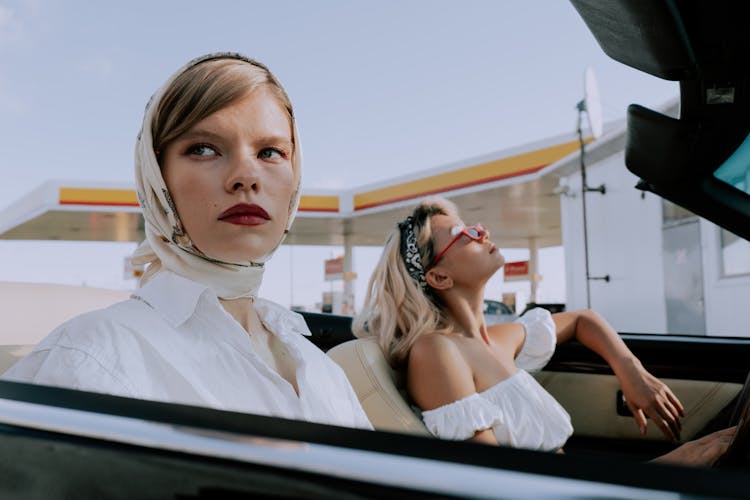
pixel 217 166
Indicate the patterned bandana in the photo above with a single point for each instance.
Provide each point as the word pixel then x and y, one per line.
pixel 167 244
pixel 410 252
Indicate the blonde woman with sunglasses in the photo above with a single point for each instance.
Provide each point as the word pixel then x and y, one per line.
pixel 471 380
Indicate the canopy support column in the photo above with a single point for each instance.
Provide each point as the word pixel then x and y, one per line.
pixel 533 268
pixel 349 276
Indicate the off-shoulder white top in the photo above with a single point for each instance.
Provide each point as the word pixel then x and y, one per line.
pixel 519 411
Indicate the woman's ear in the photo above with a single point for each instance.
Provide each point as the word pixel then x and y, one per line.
pixel 438 280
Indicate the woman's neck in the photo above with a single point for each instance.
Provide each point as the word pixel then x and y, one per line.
pixel 465 308
pixel 241 310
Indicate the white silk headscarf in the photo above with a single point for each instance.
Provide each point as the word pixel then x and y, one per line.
pixel 167 245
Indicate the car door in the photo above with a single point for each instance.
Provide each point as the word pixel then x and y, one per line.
pixel 699 161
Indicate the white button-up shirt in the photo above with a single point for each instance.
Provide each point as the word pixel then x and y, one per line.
pixel 173 341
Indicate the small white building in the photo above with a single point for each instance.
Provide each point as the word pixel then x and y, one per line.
pixel 668 270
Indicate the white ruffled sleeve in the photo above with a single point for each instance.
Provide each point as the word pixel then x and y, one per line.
pixel 541 339
pixel 461 419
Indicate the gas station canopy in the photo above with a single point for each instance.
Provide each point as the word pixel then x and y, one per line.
pixel 513 193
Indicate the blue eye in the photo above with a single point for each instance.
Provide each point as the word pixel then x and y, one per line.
pixel 269 153
pixel 202 150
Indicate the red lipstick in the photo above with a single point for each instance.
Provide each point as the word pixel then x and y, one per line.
pixel 245 214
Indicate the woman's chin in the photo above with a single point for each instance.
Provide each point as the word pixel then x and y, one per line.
pixel 501 259
pixel 241 259
pixel 499 265
pixel 236 257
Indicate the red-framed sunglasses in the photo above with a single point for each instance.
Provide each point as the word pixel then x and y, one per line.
pixel 474 233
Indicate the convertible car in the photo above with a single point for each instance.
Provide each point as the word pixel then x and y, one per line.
pixel 61 443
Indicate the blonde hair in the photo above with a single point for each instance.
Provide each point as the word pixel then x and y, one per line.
pixel 397 310
pixel 206 87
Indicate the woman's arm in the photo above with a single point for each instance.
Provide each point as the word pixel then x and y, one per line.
pixel 644 393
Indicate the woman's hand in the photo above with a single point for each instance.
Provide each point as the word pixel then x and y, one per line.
pixel 647 395
pixel 702 452
pixel 644 393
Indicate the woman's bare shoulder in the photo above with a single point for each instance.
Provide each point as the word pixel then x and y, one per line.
pixel 435 349
pixel 430 343
pixel 510 335
pixel 438 372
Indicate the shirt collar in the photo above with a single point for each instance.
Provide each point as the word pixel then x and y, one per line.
pixel 172 296
pixel 280 320
pixel 176 299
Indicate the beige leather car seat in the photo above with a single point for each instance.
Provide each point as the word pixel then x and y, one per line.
pixel 379 387
pixel 589 398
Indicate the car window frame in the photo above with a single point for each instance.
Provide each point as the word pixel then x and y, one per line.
pixel 612 470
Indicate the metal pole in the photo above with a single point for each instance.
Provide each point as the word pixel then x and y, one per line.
pixel 584 188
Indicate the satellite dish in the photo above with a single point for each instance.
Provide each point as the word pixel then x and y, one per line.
pixel 592 103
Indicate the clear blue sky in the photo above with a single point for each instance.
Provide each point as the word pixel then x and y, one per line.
pixel 381 88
